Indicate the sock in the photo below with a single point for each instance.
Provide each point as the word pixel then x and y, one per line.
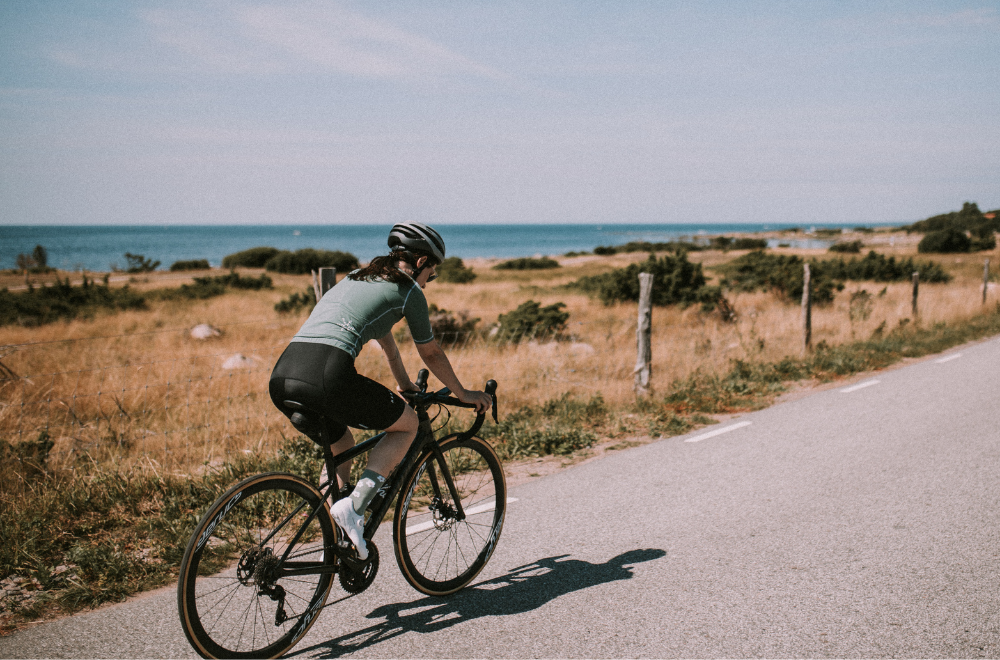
pixel 365 491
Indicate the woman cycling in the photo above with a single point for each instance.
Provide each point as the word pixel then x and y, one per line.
pixel 317 369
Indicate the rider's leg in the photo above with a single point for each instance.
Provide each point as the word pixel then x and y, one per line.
pixel 383 458
pixel 390 450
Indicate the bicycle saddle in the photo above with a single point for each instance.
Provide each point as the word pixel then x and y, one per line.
pixel 307 422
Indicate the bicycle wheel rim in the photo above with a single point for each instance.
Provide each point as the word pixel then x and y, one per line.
pixel 437 553
pixel 225 608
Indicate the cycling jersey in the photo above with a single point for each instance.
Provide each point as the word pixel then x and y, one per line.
pixel 355 312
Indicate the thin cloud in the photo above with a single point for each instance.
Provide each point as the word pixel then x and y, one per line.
pixel 350 43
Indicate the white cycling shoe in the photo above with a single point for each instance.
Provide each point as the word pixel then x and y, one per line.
pixel 352 523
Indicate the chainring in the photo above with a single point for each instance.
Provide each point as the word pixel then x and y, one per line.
pixel 355 575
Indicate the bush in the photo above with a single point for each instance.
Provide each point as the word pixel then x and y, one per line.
pixel 297 301
pixel 194 264
pixel 646 246
pixel 209 287
pixel 970 219
pixel 985 243
pixel 450 328
pixel 877 267
pixel 138 263
pixel 675 281
pixel 533 321
pixel 63 301
pixel 725 243
pixel 252 258
pixel 853 247
pixel 945 241
pixel 782 274
pixel 528 263
pixel 453 271
pixel 305 260
pixel 559 426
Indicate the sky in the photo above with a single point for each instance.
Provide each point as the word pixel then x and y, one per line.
pixel 205 112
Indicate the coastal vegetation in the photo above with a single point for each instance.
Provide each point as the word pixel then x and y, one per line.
pixel 126 426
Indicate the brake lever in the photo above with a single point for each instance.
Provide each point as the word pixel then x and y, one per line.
pixel 491 389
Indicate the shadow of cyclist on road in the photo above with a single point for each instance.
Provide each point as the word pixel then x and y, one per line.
pixel 523 589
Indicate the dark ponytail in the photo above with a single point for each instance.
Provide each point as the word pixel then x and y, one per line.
pixel 386 268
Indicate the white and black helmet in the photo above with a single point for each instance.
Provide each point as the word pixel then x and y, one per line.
pixel 418 237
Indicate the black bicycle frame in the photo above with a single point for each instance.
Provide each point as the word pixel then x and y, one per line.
pixel 425 435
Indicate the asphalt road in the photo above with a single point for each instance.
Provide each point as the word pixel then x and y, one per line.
pixel 854 522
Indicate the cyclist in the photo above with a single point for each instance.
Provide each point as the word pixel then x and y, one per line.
pixel 317 368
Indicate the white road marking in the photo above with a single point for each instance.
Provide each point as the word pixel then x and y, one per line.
pixel 949 358
pixel 482 508
pixel 861 386
pixel 712 434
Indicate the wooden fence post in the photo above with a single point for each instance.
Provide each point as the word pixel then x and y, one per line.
pixel 806 310
pixel 643 336
pixel 327 278
pixel 916 289
pixel 986 278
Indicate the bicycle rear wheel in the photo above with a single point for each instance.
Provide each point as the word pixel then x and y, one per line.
pixel 437 552
pixel 233 600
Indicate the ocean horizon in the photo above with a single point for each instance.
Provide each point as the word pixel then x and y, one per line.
pixel 99 248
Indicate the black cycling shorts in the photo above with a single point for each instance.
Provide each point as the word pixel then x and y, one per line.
pixel 323 379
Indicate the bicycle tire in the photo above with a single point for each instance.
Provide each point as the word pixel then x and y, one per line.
pixel 437 553
pixel 228 605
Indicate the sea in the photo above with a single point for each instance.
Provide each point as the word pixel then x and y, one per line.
pixel 100 248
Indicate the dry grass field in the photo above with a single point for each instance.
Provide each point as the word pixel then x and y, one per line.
pixel 135 386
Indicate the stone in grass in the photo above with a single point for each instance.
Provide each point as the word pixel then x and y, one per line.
pixel 204 331
pixel 238 361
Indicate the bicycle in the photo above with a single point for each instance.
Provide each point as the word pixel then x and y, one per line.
pixel 261 561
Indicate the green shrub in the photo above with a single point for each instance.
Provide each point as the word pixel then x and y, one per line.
pixel 528 263
pixel 450 327
pixel 675 281
pixel 970 219
pixel 305 260
pixel 646 246
pixel 453 271
pixel 985 243
pixel 877 267
pixel 853 247
pixel 559 426
pixel 725 243
pixel 531 320
pixel 297 301
pixel 63 301
pixel 209 287
pixel 194 264
pixel 138 263
pixel 945 241
pixel 782 274
pixel 252 258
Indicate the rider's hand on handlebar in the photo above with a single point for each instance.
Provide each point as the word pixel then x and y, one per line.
pixel 482 400
pixel 409 388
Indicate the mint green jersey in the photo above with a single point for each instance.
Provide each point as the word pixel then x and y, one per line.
pixel 354 312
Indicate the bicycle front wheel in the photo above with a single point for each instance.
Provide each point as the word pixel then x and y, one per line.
pixel 233 597
pixel 440 550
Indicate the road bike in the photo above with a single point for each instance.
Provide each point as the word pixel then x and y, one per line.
pixel 261 561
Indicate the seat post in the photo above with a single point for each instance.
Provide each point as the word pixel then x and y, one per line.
pixel 331 468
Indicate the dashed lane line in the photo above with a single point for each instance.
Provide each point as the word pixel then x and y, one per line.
pixel 712 434
pixel 482 508
pixel 860 386
pixel 948 358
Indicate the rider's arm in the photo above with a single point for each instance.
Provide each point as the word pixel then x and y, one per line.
pixel 440 366
pixel 388 344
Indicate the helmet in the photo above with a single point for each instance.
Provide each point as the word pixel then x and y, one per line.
pixel 418 237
